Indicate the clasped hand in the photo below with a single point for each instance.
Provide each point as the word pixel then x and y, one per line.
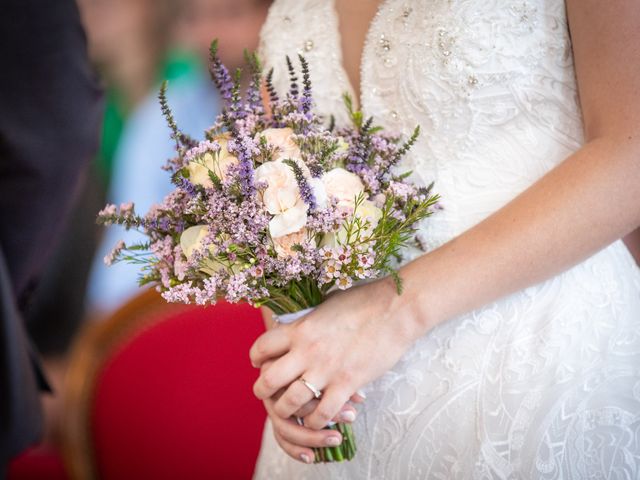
pixel 351 339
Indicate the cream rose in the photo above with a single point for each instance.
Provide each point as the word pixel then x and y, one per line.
pixel 282 198
pixel 367 211
pixel 216 162
pixel 191 239
pixel 191 242
pixel 343 186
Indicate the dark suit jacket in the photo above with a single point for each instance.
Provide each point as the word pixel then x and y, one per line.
pixel 50 112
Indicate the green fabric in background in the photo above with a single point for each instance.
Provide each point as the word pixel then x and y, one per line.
pixel 178 64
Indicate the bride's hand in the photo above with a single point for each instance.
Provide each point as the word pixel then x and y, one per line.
pixel 297 440
pixel 351 339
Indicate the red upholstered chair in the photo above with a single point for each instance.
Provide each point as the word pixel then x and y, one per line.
pixel 165 392
pixel 37 463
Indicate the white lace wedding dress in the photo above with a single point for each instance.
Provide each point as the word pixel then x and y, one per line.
pixel 544 383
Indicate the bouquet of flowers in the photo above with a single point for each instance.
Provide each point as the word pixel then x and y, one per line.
pixel 276 206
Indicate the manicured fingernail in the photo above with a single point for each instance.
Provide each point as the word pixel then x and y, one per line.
pixel 305 458
pixel 361 393
pixel 348 416
pixel 333 441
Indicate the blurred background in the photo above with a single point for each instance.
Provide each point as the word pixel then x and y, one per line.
pixel 134 46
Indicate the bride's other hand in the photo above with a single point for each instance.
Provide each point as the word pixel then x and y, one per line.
pixel 348 341
pixel 297 440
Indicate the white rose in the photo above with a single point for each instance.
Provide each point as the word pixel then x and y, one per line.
pixel 343 186
pixel 318 190
pixel 191 239
pixel 216 162
pixel 282 198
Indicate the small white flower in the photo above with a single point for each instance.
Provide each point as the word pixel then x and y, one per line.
pixel 361 273
pixel 343 255
pixel 344 282
pixel 332 269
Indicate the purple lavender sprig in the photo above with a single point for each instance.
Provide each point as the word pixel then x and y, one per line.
pixel 183 141
pixel 293 80
pixel 220 74
pixel 305 189
pixel 244 149
pixel 273 95
pixel 306 100
pixel 254 99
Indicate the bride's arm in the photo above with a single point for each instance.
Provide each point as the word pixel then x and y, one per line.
pixel 633 244
pixel 587 202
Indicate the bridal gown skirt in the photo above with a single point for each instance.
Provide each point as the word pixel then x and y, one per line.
pixel 544 383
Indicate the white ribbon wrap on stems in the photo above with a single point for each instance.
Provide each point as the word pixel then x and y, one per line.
pixel 287 318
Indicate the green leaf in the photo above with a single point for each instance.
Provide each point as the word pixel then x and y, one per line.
pixel 215 179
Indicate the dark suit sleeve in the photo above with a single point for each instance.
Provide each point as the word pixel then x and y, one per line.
pixel 50 113
pixel 20 414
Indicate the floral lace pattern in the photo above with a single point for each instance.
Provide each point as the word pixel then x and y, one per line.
pixel 544 383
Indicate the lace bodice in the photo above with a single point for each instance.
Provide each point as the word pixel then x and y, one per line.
pixel 546 382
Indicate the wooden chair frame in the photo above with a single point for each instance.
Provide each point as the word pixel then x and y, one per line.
pixel 97 342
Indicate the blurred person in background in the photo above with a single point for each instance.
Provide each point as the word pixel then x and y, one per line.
pixel 146 143
pixel 127 43
pixel 49 126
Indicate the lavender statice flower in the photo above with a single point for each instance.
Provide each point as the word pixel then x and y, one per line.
pixel 108 214
pixel 115 252
pixel 181 293
pixel 200 149
pixel 209 291
pixel 402 190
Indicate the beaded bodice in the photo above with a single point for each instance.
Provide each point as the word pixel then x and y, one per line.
pixel 491 83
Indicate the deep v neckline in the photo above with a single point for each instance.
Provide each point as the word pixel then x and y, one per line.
pixel 363 54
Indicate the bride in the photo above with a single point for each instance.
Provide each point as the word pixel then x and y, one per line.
pixel 514 350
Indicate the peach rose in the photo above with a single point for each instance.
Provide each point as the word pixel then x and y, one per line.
pixel 282 139
pixel 282 198
pixel 284 245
